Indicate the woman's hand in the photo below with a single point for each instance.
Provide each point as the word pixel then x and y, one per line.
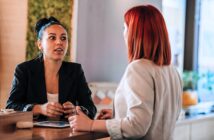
pixel 105 114
pixel 80 122
pixel 50 109
pixel 69 109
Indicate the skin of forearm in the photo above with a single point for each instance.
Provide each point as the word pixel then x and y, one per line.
pixel 99 126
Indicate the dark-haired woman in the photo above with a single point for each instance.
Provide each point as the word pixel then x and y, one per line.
pixel 46 85
pixel 148 99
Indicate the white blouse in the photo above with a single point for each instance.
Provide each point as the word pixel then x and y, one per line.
pixel 147 102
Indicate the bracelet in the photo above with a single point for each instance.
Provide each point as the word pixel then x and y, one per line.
pixel 91 127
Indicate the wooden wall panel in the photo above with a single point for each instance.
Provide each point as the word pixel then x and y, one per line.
pixel 13 26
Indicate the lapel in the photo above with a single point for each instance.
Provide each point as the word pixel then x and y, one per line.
pixel 41 75
pixel 66 80
pixel 63 75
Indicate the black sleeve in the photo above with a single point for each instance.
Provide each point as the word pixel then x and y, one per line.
pixel 84 95
pixel 18 93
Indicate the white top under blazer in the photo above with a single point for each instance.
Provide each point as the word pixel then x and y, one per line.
pixel 147 102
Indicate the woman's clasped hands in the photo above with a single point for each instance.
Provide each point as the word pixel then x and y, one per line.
pixel 55 109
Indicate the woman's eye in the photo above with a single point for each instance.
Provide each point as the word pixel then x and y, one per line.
pixel 52 37
pixel 63 38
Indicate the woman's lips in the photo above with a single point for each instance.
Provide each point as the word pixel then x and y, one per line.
pixel 59 50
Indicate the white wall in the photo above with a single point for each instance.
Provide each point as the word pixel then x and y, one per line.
pixel 100 47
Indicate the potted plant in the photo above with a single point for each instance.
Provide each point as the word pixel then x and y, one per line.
pixel 190 81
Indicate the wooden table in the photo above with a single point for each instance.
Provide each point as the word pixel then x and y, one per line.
pixel 42 133
pixel 9 131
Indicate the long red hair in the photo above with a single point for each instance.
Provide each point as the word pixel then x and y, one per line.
pixel 147 35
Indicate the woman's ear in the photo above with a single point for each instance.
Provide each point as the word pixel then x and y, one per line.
pixel 39 45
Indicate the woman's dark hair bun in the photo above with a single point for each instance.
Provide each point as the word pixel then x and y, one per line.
pixel 44 21
pixel 53 19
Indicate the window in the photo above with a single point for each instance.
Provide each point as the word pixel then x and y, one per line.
pixel 206 50
pixel 174 14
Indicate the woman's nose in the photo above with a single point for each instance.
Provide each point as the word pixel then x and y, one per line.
pixel 58 41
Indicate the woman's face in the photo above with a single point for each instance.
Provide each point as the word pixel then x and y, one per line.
pixel 125 33
pixel 54 43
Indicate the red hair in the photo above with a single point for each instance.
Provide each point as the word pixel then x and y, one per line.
pixel 147 35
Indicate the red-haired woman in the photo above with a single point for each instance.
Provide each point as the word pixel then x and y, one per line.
pixel 148 99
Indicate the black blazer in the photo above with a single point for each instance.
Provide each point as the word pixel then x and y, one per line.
pixel 28 86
